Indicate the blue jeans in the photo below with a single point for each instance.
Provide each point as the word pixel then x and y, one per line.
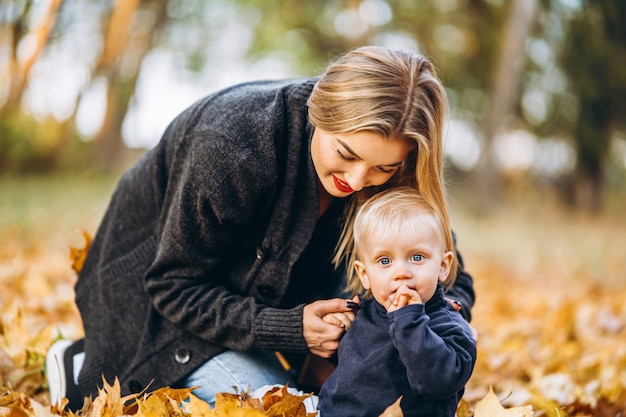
pixel 240 369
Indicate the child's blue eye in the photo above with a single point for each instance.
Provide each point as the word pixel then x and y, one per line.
pixel 384 261
pixel 417 257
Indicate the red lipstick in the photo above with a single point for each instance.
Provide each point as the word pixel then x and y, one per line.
pixel 342 186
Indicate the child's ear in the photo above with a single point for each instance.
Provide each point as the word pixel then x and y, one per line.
pixel 444 268
pixel 362 273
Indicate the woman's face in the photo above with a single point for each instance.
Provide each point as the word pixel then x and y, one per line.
pixel 346 163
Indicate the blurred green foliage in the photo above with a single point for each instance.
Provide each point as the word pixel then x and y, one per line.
pixel 32 146
pixel 29 145
pixel 568 84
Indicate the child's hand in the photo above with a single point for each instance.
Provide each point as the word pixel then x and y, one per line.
pixel 344 319
pixel 404 296
pixel 339 319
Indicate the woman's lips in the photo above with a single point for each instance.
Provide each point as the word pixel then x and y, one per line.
pixel 342 186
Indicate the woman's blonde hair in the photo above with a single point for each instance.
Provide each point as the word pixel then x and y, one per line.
pixel 398 95
pixel 387 214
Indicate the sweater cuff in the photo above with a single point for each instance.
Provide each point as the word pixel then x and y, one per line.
pixel 280 330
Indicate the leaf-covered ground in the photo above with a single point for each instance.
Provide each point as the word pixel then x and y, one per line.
pixel 550 311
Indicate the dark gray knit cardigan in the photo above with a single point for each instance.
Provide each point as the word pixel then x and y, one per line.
pixel 195 251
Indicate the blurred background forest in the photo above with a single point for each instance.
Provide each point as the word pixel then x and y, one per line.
pixel 537 87
pixel 535 154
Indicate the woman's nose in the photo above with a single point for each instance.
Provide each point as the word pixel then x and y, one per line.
pixel 357 178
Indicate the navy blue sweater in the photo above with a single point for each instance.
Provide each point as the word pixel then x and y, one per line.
pixel 424 353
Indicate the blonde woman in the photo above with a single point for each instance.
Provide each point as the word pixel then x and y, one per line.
pixel 216 249
pixel 406 341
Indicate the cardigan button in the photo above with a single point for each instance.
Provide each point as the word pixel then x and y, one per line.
pixel 182 355
pixel 266 291
pixel 260 253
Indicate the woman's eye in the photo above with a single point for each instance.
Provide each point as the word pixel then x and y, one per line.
pixel 416 257
pixel 386 170
pixel 342 156
pixel 384 261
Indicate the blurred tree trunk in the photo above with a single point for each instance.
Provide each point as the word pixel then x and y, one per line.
pixel 595 58
pixel 128 39
pixel 18 32
pixel 486 176
pixel 593 132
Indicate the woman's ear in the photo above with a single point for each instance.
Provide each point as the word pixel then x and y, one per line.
pixel 444 268
pixel 362 273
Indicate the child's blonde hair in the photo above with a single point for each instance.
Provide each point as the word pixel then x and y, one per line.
pixel 388 213
pixel 395 94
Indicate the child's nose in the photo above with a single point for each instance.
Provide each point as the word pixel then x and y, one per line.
pixel 401 271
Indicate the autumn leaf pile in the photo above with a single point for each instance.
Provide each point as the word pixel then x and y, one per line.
pixel 550 313
pixel 163 402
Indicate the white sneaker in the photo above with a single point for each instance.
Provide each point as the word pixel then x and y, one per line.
pixel 63 363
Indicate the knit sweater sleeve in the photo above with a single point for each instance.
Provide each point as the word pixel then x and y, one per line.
pixel 222 181
pixel 437 350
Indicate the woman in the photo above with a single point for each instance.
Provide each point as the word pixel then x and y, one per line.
pixel 218 246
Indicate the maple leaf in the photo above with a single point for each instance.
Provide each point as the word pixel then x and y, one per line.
pixel 490 406
pixel 243 398
pixel 78 255
pixel 171 398
pixel 108 403
pixel 22 355
pixel 18 404
pixel 279 402
pixel 152 406
pixel 199 408
pixel 230 406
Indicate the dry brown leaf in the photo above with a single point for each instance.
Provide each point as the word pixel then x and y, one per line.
pixel 490 406
pixel 394 410
pixel 230 407
pixel 273 396
pixel 41 411
pixel 22 356
pixel 108 403
pixel 199 408
pixel 14 404
pixel 59 407
pixel 7 367
pixel 290 406
pixel 242 398
pixel 78 255
pixel 18 404
pixel 463 410
pixel 172 398
pixel 280 402
pixel 152 406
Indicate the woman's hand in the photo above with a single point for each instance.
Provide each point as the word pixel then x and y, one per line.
pixel 323 324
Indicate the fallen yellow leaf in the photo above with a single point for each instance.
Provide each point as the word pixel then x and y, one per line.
pixel 78 255
pixel 490 406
